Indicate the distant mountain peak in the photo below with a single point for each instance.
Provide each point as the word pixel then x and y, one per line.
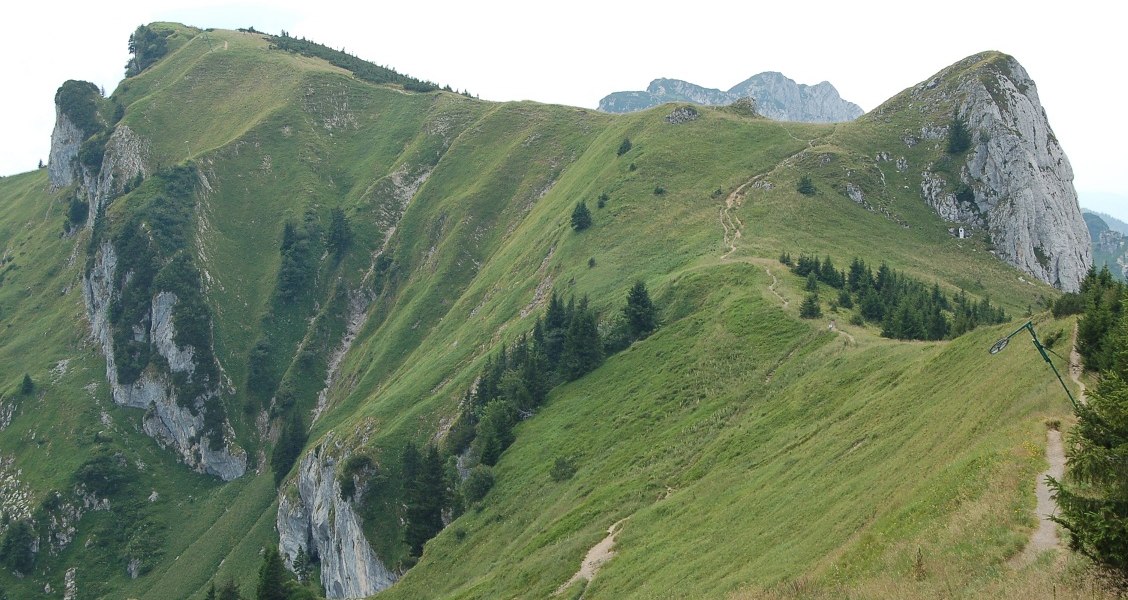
pixel 777 97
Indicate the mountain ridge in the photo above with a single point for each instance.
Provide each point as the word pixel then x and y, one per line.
pixel 459 213
pixel 776 96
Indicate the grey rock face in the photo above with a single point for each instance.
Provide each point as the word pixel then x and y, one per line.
pixel 1018 181
pixel 312 515
pixel 123 160
pixel 62 161
pixel 171 424
pixel 777 97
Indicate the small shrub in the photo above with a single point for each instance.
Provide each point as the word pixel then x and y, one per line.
pixel 1069 303
pixel 562 470
pixel 603 198
pixel 785 259
pixel 805 186
pixel 717 193
pixel 659 190
pixel 591 262
pixel 625 147
pixel 857 320
pixel 965 194
pixel 477 484
pixel 632 167
pixel 959 138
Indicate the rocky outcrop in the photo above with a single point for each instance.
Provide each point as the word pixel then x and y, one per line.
pixel 166 420
pixel 777 97
pixel 62 162
pixel 1015 180
pixel 313 516
pixel 122 163
pixel 123 160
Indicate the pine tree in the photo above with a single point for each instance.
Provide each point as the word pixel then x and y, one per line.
pixel 230 591
pixel 805 186
pixel 813 283
pixel 581 217
pixel 1093 504
pixel 303 565
pixel 28 386
pixel 583 348
pixel 640 312
pixel 340 233
pixel 810 309
pixel 959 138
pixel 210 594
pixel 272 577
pixel 289 447
pixel 625 147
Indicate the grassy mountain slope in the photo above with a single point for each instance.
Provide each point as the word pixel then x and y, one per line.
pixel 744 447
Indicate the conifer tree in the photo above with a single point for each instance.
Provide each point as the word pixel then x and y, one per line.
pixel 340 233
pixel 810 309
pixel 289 447
pixel 581 217
pixel 1093 503
pixel 640 312
pixel 28 386
pixel 272 577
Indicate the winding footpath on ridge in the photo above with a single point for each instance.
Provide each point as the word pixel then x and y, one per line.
pixel 1046 537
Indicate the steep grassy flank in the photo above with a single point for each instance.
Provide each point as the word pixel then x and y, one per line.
pixel 744 447
pixel 747 449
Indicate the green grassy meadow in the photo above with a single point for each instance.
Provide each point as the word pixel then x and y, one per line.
pixel 747 452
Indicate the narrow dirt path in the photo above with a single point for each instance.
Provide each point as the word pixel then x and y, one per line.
pixel 771 288
pixel 596 557
pixel 1076 368
pixel 1046 537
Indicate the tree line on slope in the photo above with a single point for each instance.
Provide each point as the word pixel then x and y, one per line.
pixel 563 346
pixel 363 69
pixel 904 307
pixel 1100 302
pixel 1093 497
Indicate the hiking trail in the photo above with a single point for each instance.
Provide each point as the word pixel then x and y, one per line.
pixel 596 557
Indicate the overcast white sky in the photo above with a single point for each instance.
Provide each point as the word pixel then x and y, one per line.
pixel 577 52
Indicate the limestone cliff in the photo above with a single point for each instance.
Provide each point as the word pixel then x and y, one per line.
pixel 777 97
pixel 1013 181
pixel 103 160
pixel 313 515
pixel 167 420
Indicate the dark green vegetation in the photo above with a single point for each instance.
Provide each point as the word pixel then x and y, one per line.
pixel 146 45
pixel 1094 496
pixel 363 69
pixel 905 307
pixel 366 268
pixel 1100 302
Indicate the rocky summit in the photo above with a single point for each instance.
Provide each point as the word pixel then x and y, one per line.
pixel 776 96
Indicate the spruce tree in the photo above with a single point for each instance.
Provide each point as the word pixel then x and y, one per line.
pixel 272 577
pixel 1093 502
pixel 210 594
pixel 640 312
pixel 28 386
pixel 340 233
pixel 229 591
pixel 289 447
pixel 581 217
pixel 810 309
